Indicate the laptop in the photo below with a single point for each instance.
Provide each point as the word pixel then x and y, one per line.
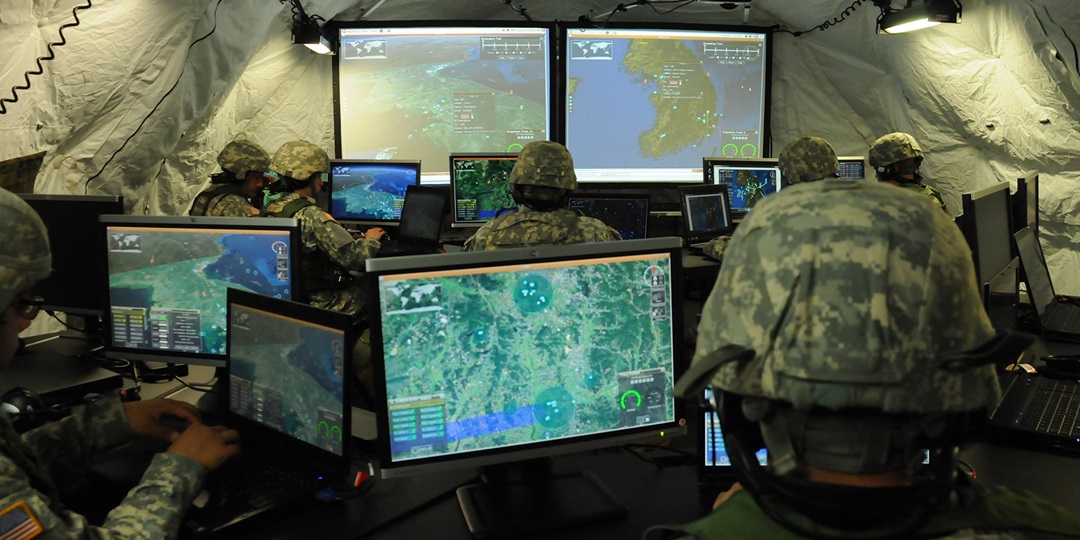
pixel 1056 317
pixel 288 382
pixel 715 473
pixel 706 213
pixel 628 214
pixel 421 223
pixel 1038 411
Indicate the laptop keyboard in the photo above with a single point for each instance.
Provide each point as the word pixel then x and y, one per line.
pixel 1054 408
pixel 245 487
pixel 1064 317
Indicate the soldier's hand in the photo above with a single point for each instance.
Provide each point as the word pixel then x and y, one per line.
pixel 723 497
pixel 146 417
pixel 209 445
pixel 375 232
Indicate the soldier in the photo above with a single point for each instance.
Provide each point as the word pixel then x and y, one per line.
pixel 330 253
pixel 243 169
pixel 807 159
pixel 542 179
pixel 896 157
pixel 846 336
pixel 35 465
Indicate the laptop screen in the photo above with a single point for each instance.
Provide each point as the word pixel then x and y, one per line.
pixel 628 215
pixel 1040 287
pixel 852 168
pixel 370 190
pixel 712 442
pixel 705 211
pixel 287 370
pixel 422 214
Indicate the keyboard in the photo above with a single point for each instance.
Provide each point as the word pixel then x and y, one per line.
pixel 1063 317
pixel 1054 408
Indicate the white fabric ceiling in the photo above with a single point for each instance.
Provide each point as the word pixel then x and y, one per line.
pixel 989 98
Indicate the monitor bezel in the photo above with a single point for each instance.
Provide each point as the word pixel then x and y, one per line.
pixel 1025 202
pixel 309 314
pixel 970 227
pixel 477 156
pixel 194 222
pixel 413 163
pixel 671 246
pixel 564 36
pixel 685 192
pixel 50 304
pixel 853 159
pixel 335 27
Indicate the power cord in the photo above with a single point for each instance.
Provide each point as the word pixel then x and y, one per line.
pixel 830 23
pixel 520 10
pixel 41 69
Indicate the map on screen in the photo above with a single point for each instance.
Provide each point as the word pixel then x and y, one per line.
pixel 481 187
pixel 270 354
pixel 662 99
pixel 167 288
pixel 747 185
pixel 369 190
pixel 434 91
pixel 504 356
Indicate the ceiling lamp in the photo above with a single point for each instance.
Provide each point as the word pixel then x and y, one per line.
pixel 928 13
pixel 307 31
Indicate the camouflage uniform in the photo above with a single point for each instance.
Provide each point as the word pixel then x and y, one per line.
pixel 547 166
pixel 896 147
pixel 34 464
pixel 329 251
pixel 856 297
pixel 61 451
pixel 237 158
pixel 807 159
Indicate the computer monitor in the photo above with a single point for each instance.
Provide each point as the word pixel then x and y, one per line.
pixel 852 167
pixel 505 356
pixel 747 180
pixel 714 456
pixel 168 278
pixel 705 212
pixel 645 103
pixel 432 88
pixel 628 214
pixel 987 227
pixel 75 286
pixel 1025 202
pixel 480 187
pixel 370 191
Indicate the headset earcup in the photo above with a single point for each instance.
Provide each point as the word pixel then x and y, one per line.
pixel 25 408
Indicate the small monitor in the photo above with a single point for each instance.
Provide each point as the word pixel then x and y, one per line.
pixel 852 167
pixel 705 212
pixel 1025 202
pixel 168 278
pixel 627 214
pixel 480 187
pixel 76 285
pixel 714 454
pixel 500 358
pixel 370 191
pixel 747 180
pixel 987 227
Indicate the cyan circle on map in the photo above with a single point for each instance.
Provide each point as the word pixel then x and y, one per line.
pixel 554 407
pixel 480 339
pixel 533 293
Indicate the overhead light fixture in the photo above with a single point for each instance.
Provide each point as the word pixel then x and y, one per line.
pixel 929 13
pixel 307 31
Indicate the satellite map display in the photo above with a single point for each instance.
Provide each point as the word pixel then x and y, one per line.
pixel 649 99
pixel 288 375
pixel 370 191
pixel 707 212
pixel 747 186
pixel 504 356
pixel 167 287
pixel 435 91
pixel 481 188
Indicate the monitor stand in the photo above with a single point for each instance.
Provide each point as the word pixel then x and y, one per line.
pixel 526 497
pixel 86 327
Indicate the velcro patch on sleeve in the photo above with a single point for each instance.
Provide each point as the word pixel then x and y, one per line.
pixel 17 522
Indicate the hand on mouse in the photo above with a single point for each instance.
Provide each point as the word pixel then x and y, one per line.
pixel 375 232
pixel 211 446
pixel 146 417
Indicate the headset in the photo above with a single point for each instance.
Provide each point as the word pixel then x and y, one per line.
pixel 27 410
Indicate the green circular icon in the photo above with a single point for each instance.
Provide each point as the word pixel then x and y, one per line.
pixel 514 147
pixel 554 407
pixel 729 150
pixel 533 293
pixel 748 150
pixel 632 397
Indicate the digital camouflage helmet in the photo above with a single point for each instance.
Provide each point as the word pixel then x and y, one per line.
pixel 242 156
pixel 24 253
pixel 300 160
pixel 807 159
pixel 544 164
pixel 893 148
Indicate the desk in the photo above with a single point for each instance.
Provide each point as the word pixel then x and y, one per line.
pixel 50 365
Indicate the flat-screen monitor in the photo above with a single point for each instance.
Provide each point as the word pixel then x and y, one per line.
pixel 706 212
pixel 852 167
pixel 480 187
pixel 501 357
pixel 645 104
pixel 747 180
pixel 370 191
pixel 1025 202
pixel 987 227
pixel 168 278
pixel 76 285
pixel 424 90
pixel 714 455
pixel 628 214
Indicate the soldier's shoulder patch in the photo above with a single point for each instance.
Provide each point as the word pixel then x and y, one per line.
pixel 18 522
pixel 328 216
